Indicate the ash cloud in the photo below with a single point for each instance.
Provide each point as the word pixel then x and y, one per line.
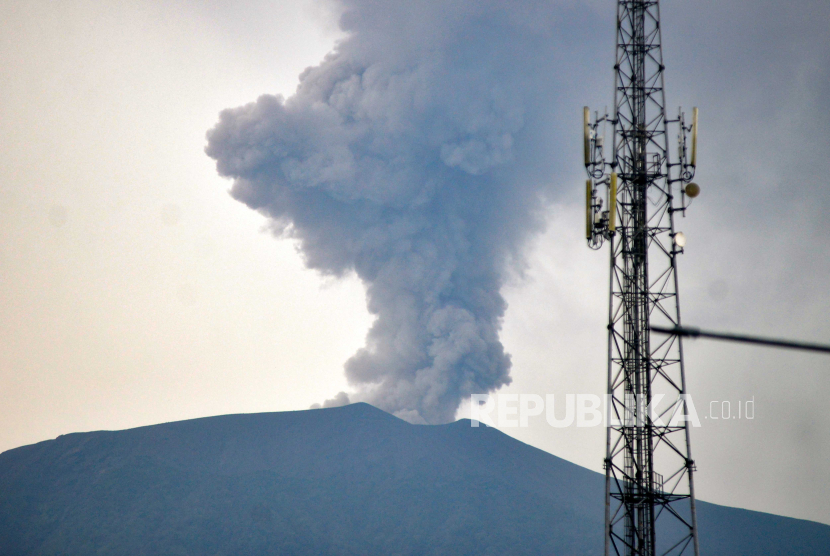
pixel 411 156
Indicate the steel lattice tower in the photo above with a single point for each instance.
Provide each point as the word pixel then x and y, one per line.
pixel 650 503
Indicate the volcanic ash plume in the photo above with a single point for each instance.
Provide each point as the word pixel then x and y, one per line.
pixel 409 156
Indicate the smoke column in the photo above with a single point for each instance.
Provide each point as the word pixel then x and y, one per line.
pixel 415 156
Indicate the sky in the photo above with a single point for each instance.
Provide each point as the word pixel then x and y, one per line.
pixel 138 289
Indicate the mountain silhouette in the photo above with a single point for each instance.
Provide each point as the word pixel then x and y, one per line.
pixel 351 480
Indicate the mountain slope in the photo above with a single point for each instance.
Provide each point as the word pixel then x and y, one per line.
pixel 349 480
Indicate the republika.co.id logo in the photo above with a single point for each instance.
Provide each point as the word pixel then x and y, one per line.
pixel 581 410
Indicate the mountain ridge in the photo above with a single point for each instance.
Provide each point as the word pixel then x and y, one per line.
pixel 347 480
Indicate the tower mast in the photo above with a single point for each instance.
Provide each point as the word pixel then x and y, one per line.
pixel 650 503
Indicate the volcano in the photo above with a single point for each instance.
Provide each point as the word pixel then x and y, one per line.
pixel 351 480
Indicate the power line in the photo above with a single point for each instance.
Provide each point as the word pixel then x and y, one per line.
pixel 692 332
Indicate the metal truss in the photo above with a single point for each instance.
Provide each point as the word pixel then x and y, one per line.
pixel 650 504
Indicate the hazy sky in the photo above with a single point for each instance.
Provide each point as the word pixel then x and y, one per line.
pixel 135 290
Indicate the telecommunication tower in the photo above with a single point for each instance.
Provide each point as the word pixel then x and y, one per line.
pixel 634 192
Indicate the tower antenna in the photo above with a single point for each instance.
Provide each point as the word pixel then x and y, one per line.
pixel 649 470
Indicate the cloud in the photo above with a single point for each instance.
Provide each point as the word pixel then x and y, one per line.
pixel 411 156
pixel 339 400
